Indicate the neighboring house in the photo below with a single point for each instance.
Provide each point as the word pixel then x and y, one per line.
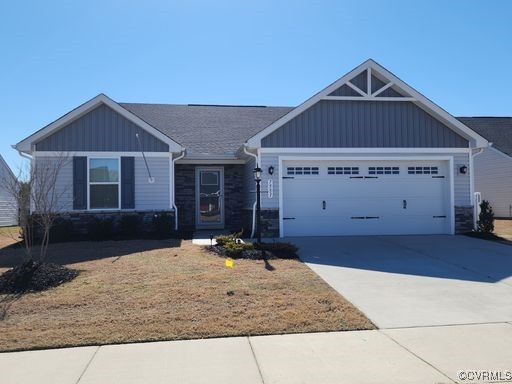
pixel 8 205
pixel 493 168
pixel 366 155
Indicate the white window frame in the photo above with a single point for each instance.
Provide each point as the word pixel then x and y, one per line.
pixel 89 183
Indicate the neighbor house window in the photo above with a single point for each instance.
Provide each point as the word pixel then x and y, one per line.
pixel 104 183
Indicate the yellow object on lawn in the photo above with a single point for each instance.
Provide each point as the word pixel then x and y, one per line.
pixel 229 263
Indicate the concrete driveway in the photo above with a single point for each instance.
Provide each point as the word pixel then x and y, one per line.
pixel 411 281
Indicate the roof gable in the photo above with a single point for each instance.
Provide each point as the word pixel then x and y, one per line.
pixel 372 82
pixel 27 145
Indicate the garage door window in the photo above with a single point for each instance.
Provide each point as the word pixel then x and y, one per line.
pixel 302 170
pixel 343 170
pixel 422 170
pixel 383 170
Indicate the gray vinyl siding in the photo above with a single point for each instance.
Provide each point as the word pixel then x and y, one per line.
pixel 148 196
pixel 101 129
pixel 64 184
pixel 353 124
pixel 462 186
pixel 152 196
pixel 493 179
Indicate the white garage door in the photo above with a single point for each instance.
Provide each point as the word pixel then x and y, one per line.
pixel 329 198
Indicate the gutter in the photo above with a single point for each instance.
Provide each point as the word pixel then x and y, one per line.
pixel 22 154
pixel 253 229
pixel 174 188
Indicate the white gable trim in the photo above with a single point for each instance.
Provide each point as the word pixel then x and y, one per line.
pixel 413 96
pixel 27 145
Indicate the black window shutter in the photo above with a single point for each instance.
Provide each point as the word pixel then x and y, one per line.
pixel 127 183
pixel 79 182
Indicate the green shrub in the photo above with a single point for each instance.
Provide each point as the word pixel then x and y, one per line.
pixel 130 225
pixel 100 229
pixel 236 250
pixel 486 218
pixel 224 239
pixel 281 250
pixel 162 225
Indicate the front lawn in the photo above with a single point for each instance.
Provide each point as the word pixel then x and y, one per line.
pixel 503 228
pixel 141 290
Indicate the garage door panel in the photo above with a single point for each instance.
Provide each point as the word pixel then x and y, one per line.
pixel 338 204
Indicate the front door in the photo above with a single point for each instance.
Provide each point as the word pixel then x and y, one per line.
pixel 209 197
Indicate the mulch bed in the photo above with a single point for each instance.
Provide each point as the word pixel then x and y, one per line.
pixel 264 251
pixel 33 277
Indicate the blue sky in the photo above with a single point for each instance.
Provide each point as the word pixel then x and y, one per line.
pixel 56 55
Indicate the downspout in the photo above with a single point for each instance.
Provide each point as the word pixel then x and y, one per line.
pixel 253 229
pixel 174 188
pixel 472 174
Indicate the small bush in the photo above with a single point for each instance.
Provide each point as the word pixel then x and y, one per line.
pixel 236 250
pixel 129 226
pixel 162 225
pixel 224 239
pixel 100 229
pixel 281 250
pixel 486 218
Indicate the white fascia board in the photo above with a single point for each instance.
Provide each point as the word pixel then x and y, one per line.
pixel 211 161
pixel 375 68
pixel 27 144
pixel 98 154
pixel 364 150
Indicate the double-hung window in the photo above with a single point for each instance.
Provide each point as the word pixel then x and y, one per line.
pixel 104 185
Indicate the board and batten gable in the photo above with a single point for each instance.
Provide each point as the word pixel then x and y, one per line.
pixel 101 129
pixel 365 124
pixel 493 179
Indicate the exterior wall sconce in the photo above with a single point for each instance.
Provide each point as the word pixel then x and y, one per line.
pixel 463 170
pixel 271 170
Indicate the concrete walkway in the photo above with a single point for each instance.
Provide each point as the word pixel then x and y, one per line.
pixel 408 355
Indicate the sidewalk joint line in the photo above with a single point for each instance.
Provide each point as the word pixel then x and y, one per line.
pixel 88 364
pixel 255 359
pixel 418 357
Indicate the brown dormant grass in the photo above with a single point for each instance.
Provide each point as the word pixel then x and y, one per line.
pixel 503 228
pixel 145 290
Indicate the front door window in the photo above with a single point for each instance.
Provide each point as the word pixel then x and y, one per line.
pixel 210 197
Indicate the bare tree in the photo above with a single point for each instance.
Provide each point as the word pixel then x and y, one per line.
pixel 40 198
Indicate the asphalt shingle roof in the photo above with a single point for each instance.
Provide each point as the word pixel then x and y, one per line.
pixel 498 130
pixel 219 130
pixel 208 129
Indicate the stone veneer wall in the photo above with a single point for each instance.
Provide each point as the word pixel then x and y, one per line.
pixel 79 222
pixel 270 223
pixel 463 219
pixel 235 216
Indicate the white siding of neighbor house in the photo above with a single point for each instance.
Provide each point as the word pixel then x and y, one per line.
pixel 148 196
pixel 462 186
pixel 493 179
pixel 8 207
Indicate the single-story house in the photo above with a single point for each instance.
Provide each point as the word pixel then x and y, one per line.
pixel 366 155
pixel 493 167
pixel 8 204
